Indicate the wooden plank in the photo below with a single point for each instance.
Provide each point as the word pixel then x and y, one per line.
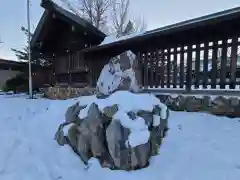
pixel 205 65
pixel 233 62
pixel 150 58
pixel 162 69
pixel 145 70
pixel 202 48
pixel 175 68
pixel 157 68
pixel 223 64
pixel 168 68
pixel 189 69
pixel 182 73
pixel 154 58
pixel 215 92
pixel 197 66
pixel 69 68
pixel 214 64
pixel 139 69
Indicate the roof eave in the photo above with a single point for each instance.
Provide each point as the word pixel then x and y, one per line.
pixel 50 5
pixel 193 23
pixel 38 29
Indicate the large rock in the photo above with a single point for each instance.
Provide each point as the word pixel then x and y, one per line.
pixel 72 113
pixel 124 156
pixel 117 137
pixel 119 74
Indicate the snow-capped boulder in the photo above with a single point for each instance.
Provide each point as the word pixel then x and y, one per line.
pixel 119 74
pixel 121 134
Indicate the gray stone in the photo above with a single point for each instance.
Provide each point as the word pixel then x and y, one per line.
pixel 72 113
pixel 94 127
pixel 110 111
pixel 125 75
pixel 125 62
pixel 132 115
pixel 220 101
pixel 147 116
pixel 180 102
pixel 79 142
pixel 116 136
pixel 140 156
pixel 125 157
pixel 233 101
pixel 193 104
pixel 125 84
pixel 158 132
pixel 207 101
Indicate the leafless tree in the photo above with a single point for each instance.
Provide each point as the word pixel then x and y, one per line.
pixel 92 10
pixel 1 42
pixel 104 14
pixel 122 23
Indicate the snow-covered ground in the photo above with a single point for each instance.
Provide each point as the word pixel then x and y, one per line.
pixel 198 146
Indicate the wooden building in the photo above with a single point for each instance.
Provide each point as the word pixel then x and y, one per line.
pixel 166 55
pixel 59 37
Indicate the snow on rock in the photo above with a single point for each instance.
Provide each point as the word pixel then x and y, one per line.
pixel 130 102
pixel 139 133
pixel 127 102
pixel 198 146
pixel 156 120
pixel 118 74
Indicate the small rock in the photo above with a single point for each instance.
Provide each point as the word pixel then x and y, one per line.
pixel 233 101
pixel 132 115
pixel 220 101
pixel 110 111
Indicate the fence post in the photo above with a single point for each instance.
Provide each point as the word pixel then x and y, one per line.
pixel 189 69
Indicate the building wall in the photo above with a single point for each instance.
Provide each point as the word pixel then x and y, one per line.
pixel 5 75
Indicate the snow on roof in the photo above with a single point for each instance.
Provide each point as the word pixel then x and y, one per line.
pixel 112 38
pixel 63 5
pixel 187 23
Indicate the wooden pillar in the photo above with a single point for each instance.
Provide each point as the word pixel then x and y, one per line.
pixel 69 68
pixel 189 68
pixel 137 66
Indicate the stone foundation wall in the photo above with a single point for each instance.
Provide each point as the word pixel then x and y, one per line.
pixel 218 105
pixel 67 92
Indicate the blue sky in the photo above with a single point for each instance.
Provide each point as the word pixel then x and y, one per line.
pixel 156 13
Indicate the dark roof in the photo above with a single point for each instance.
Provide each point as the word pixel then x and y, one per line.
pixel 11 62
pixel 50 5
pixel 185 25
pixel 18 64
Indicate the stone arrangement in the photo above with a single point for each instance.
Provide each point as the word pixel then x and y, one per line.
pixel 102 136
pixel 119 138
pixel 219 105
pixel 67 92
pixel 121 73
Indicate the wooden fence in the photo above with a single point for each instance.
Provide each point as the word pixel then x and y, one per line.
pixel 204 65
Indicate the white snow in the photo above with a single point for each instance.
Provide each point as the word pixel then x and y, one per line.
pixel 112 76
pixel 198 146
pixel 127 102
pixel 112 38
pixel 156 120
pixel 139 133
pixel 108 81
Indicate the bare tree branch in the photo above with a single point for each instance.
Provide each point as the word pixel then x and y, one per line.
pixel 92 10
pixel 121 22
